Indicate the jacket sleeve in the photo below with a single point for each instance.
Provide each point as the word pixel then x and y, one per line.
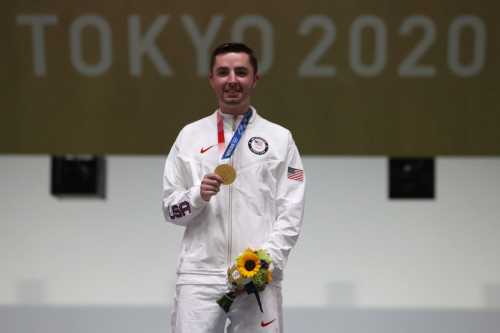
pixel 290 209
pixel 181 202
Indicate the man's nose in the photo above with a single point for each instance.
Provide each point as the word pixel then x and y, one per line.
pixel 232 76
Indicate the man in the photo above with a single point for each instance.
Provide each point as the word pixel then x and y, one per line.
pixel 261 209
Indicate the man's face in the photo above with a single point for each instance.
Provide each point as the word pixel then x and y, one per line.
pixel 232 79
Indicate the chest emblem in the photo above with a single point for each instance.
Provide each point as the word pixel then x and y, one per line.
pixel 258 145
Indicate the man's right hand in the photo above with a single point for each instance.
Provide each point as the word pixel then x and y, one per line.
pixel 210 186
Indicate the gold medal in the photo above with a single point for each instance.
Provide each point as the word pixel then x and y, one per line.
pixel 227 173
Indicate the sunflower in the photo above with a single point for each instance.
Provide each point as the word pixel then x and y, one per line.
pixel 248 263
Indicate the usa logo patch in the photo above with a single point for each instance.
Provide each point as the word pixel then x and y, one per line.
pixel 258 145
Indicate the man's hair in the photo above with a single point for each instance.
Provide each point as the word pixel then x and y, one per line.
pixel 234 48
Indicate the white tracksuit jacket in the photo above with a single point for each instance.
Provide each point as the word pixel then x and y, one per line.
pixel 263 208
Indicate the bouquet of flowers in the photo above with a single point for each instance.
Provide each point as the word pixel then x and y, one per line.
pixel 251 273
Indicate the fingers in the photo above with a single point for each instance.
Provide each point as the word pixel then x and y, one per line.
pixel 207 192
pixel 214 176
pixel 210 186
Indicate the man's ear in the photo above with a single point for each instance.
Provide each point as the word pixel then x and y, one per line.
pixel 255 79
pixel 210 77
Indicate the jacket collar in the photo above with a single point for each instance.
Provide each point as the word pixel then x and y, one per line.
pixel 230 116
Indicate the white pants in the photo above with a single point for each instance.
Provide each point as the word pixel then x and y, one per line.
pixel 196 311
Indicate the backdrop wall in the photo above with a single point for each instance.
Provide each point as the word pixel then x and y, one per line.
pixel 359 77
pixel 358 249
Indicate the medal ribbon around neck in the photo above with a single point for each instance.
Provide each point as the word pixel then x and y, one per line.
pixel 225 170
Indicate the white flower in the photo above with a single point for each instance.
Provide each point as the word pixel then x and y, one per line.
pixel 236 275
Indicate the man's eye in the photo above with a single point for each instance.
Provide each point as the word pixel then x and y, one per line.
pixel 222 72
pixel 241 72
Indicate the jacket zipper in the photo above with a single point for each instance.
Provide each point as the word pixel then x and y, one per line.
pixel 230 225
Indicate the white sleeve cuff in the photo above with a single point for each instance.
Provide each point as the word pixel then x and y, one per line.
pixel 196 199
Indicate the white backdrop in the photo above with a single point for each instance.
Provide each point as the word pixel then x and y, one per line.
pixel 358 249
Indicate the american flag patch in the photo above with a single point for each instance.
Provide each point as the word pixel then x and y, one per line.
pixel 295 174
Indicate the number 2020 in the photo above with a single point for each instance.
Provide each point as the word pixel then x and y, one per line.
pixel 410 66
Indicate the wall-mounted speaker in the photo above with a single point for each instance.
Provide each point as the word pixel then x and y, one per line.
pixel 411 178
pixel 78 176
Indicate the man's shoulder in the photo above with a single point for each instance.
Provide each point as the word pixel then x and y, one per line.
pixel 272 127
pixel 197 127
pixel 197 132
pixel 202 123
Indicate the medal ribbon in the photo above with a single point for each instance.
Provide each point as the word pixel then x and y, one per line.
pixel 233 143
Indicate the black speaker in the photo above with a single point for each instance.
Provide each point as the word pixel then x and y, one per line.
pixel 78 176
pixel 411 178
